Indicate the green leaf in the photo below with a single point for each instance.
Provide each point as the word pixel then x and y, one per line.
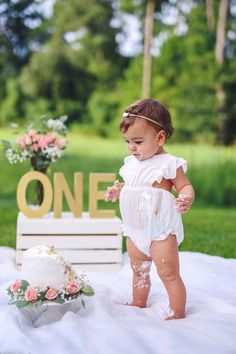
pixel 41 296
pixel 24 285
pixel 12 302
pixel 9 292
pixel 21 303
pixel 59 300
pixel 6 144
pixel 87 290
pixel 35 304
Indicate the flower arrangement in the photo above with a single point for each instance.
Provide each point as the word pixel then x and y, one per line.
pixel 42 145
pixel 23 294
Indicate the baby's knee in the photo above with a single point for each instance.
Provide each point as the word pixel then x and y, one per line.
pixel 168 272
pixel 141 267
pixel 141 270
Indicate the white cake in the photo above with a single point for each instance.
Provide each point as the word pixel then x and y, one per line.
pixel 43 267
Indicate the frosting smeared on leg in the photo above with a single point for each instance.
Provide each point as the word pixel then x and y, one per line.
pixel 141 278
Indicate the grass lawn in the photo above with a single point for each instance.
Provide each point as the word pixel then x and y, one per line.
pixel 208 229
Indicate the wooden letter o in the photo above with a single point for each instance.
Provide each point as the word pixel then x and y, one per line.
pixel 21 192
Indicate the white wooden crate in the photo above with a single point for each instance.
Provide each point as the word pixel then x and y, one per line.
pixel 89 244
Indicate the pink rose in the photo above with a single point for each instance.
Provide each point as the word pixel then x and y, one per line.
pixel 35 138
pixel 21 142
pixel 51 137
pixel 43 143
pixel 31 294
pixel 15 286
pixel 28 140
pixel 73 287
pixel 51 294
pixel 61 143
pixel 32 133
pixel 35 147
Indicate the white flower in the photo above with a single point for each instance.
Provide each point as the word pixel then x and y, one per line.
pixel 52 152
pixel 56 124
pixel 50 123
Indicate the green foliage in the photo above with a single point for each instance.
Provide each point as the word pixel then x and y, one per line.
pixel 11 106
pixel 19 30
pixel 184 79
pixel 37 107
pixel 99 111
pixel 139 7
pixel 127 90
pixel 51 78
pixel 23 29
pixel 229 83
pixel 87 290
pixel 80 58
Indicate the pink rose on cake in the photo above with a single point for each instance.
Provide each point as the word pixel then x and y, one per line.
pixel 73 287
pixel 15 286
pixel 51 294
pixel 31 294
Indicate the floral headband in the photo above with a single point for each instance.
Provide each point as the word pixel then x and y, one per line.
pixel 127 115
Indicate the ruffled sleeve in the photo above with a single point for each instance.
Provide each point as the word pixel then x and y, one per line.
pixel 168 169
pixel 123 172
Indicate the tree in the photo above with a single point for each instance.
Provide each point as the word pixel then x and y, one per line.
pixel 210 15
pixel 19 30
pixel 145 11
pixel 219 57
pixel 81 57
pixel 147 61
pixel 184 79
pixel 22 30
pixel 184 74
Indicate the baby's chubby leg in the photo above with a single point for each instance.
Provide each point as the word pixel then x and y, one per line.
pixel 141 265
pixel 166 258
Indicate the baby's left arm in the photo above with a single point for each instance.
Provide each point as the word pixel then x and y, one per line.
pixel 185 191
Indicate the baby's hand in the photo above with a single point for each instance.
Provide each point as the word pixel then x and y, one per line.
pixel 183 203
pixel 113 193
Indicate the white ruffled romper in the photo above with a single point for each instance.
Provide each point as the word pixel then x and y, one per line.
pixel 149 213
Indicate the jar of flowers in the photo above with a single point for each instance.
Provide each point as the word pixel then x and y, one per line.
pixel 42 144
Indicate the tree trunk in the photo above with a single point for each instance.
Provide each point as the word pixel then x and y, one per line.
pixel 220 34
pixel 210 15
pixel 147 61
pixel 219 57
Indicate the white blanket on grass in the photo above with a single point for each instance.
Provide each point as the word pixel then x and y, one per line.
pixel 109 327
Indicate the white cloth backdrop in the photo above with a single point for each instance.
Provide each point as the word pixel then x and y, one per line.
pixel 109 327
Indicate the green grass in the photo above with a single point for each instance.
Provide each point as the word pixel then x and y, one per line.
pixel 209 227
pixel 210 230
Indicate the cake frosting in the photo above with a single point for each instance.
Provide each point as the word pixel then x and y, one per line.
pixel 43 267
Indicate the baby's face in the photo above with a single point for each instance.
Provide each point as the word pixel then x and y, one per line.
pixel 143 141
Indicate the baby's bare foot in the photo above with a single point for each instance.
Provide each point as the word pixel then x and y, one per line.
pixel 136 305
pixel 173 316
pixel 168 318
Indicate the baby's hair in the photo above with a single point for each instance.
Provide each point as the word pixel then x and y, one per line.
pixel 150 109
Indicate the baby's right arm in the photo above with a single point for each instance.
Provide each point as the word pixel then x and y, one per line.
pixel 113 193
